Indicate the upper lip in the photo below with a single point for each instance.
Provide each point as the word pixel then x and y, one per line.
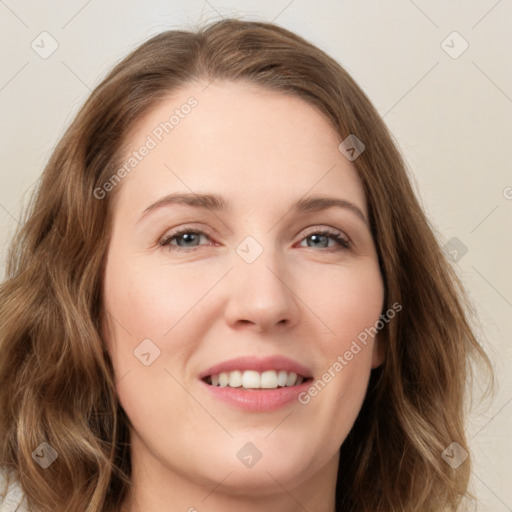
pixel 276 362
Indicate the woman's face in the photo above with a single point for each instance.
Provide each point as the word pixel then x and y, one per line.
pixel 250 276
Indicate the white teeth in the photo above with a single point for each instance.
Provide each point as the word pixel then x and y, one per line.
pixel 282 377
pixel 292 378
pixel 269 379
pixel 250 379
pixel 235 379
pixel 223 379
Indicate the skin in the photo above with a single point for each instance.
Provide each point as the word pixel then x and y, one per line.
pixel 304 298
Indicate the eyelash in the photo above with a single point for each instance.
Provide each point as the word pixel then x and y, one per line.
pixel 344 244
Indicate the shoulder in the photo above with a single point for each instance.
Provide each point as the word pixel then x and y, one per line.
pixel 12 498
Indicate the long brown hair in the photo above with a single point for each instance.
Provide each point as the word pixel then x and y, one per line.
pixel 57 383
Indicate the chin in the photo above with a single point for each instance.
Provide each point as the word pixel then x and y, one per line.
pixel 255 470
pixel 262 479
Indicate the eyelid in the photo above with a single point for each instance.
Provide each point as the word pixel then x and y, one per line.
pixel 342 239
pixel 316 229
pixel 181 230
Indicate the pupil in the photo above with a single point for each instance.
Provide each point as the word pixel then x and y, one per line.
pixel 188 237
pixel 316 237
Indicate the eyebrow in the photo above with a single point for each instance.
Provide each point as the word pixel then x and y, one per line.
pixel 215 202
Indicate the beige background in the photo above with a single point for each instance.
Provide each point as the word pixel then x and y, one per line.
pixel 451 116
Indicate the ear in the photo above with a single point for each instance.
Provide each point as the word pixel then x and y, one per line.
pixel 378 350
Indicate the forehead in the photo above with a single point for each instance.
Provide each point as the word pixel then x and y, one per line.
pixel 239 140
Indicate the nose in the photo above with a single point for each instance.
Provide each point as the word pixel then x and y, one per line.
pixel 261 295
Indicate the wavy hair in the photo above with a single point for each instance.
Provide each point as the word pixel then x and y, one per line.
pixel 56 378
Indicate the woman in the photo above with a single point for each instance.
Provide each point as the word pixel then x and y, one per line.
pixel 311 355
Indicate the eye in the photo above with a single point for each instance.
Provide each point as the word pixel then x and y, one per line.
pixel 187 239
pixel 319 237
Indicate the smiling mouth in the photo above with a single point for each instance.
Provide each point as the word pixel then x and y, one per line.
pixel 253 380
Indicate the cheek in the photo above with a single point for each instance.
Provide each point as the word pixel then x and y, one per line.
pixel 149 300
pixel 346 301
pixel 147 306
pixel 157 302
pixel 152 299
pixel 349 304
pixel 175 306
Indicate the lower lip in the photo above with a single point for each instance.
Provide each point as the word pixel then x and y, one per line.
pixel 257 400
